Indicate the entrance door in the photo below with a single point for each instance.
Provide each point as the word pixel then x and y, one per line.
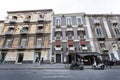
pixel 20 58
pixel 2 57
pixel 37 56
pixel 58 58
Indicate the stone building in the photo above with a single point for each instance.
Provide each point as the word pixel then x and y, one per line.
pixel 25 36
pixel 87 35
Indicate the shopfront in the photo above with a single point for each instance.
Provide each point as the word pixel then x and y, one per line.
pixel 88 57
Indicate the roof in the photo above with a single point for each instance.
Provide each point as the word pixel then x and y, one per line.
pixel 69 14
pixel 24 11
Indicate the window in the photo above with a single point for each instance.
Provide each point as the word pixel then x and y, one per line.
pixel 11 29
pixel 15 17
pixel 23 42
pixel 79 21
pixel 102 45
pixel 69 21
pixel 46 38
pixel 69 33
pixel 82 35
pixel 58 34
pixel 25 28
pixel 41 16
pixel 39 41
pixel 98 31
pixel 116 29
pixel 58 22
pixel 7 44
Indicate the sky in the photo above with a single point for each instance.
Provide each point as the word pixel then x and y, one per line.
pixel 61 6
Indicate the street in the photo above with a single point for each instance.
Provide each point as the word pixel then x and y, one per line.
pixel 60 74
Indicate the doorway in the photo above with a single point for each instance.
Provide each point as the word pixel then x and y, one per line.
pixel 37 57
pixel 2 57
pixel 58 58
pixel 70 58
pixel 20 58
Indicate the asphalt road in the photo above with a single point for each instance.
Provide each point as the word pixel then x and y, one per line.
pixel 57 74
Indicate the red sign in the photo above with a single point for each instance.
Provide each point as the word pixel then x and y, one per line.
pixel 83 42
pixel 58 43
pixel 70 43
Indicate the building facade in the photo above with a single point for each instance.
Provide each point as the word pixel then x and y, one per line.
pixel 25 37
pixel 106 33
pixel 86 35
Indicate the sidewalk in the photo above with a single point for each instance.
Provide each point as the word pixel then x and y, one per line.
pixel 31 66
pixel 39 67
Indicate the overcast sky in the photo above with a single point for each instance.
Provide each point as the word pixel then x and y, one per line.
pixel 61 6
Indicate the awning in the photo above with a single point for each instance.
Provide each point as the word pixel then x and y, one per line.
pixel 88 53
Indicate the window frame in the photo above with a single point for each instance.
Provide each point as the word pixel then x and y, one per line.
pixel 56 24
pixel 8 43
pixel 22 42
pixel 37 42
pixel 67 20
pixel 77 20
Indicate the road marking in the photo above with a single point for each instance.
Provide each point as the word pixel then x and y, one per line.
pixel 56 74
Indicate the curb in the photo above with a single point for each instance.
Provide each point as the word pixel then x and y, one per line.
pixel 29 68
pixel 44 68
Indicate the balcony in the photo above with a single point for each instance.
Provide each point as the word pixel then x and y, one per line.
pixel 58 38
pixel 58 48
pixel 71 48
pixel 58 26
pixel 40 25
pixel 96 21
pixel 12 21
pixel 100 37
pixel 84 48
pixel 70 37
pixel 23 31
pixel 39 31
pixel 40 19
pixel 80 25
pixel 27 20
pixel 82 37
pixel 80 29
pixel 21 47
pixel 69 26
pixel 38 46
pixel 114 21
pixel 58 29
pixel 5 48
pixel 104 49
pixel 8 32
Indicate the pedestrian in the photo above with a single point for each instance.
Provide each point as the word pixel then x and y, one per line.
pixel 106 62
pixel 114 61
pixel 42 61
